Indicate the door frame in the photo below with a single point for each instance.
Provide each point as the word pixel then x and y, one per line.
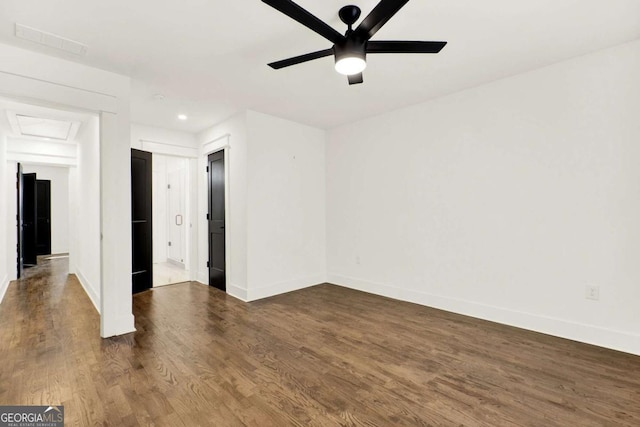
pixel 192 192
pixel 213 146
pixel 19 263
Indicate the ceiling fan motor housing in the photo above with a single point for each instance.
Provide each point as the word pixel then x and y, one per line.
pixel 351 48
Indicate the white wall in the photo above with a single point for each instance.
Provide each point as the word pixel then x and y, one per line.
pixel 84 190
pixel 286 206
pixel 275 208
pixel 501 202
pixel 50 81
pixel 41 152
pixel 163 141
pixel 59 177
pixel 232 136
pixel 5 195
pixel 159 207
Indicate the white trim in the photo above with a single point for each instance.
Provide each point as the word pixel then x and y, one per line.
pixel 168 149
pixel 202 277
pixel 617 340
pixel 88 289
pixel 55 156
pixel 237 292
pixel 45 159
pixel 232 290
pixel 284 287
pixel 4 286
pixel 29 89
pixel 216 139
pixel 119 325
pixel 211 146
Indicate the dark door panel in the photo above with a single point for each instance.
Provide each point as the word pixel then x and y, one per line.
pixel 216 215
pixel 29 252
pixel 43 217
pixel 141 225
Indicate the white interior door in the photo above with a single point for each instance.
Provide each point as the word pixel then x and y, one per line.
pixel 176 217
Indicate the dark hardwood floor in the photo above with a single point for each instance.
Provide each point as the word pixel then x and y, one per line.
pixel 321 356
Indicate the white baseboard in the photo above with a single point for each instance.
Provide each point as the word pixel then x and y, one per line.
pixel 284 287
pixel 4 285
pixel 590 334
pixel 202 277
pixel 88 289
pixel 233 290
pixel 121 325
pixel 237 292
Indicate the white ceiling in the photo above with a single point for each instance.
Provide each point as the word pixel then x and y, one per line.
pixel 209 57
pixel 40 123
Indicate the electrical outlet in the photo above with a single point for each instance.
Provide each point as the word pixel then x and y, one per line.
pixel 358 260
pixel 592 292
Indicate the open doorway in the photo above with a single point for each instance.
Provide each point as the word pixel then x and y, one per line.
pixel 55 210
pixel 171 234
pixel 42 213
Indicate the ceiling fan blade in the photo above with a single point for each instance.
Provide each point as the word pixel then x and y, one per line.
pixel 355 79
pixel 300 59
pixel 310 21
pixel 404 47
pixel 378 17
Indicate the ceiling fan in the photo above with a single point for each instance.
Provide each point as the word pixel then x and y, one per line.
pixel 350 50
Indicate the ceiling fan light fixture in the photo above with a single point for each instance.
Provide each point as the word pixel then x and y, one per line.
pixel 350 58
pixel 351 48
pixel 350 65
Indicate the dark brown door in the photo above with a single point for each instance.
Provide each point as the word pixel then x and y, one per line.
pixel 141 226
pixel 216 217
pixel 43 217
pixel 19 221
pixel 29 253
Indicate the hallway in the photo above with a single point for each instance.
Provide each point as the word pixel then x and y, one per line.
pixel 320 356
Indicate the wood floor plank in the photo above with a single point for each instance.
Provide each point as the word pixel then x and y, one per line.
pixel 320 356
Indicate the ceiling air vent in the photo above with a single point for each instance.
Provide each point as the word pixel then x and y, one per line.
pixel 50 40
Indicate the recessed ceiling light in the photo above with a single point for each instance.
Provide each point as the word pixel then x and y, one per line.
pixel 182 116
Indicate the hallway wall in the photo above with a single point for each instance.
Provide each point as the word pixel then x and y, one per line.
pixel 5 186
pixel 84 200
